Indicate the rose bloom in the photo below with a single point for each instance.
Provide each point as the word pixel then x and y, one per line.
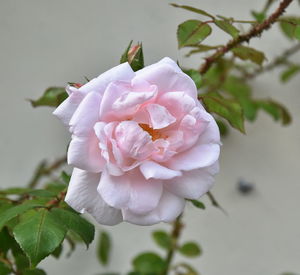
pixel 141 144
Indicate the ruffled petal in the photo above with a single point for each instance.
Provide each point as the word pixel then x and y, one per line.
pixel 121 100
pixel 168 78
pixel 133 140
pixel 193 184
pixel 178 103
pixel 168 209
pixel 122 72
pixel 130 191
pixel 130 101
pixel 165 60
pixel 82 196
pixel 154 170
pixel 86 115
pixel 84 153
pixel 211 134
pixel 199 156
pixel 159 116
pixel 67 108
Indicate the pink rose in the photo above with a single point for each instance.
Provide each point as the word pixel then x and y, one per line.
pixel 141 144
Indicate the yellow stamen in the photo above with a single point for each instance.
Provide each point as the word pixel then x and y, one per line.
pixel 155 134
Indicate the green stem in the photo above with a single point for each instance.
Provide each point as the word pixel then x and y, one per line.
pixel 175 234
pixel 44 170
pixel 280 60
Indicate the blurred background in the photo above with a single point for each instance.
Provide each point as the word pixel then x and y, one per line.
pixel 46 43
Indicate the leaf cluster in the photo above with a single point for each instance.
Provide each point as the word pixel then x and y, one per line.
pixel 224 89
pixel 34 223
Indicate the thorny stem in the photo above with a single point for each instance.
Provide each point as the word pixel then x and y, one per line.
pixel 255 31
pixel 175 234
pixel 280 60
pixel 44 170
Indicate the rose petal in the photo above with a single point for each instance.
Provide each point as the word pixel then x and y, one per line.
pixel 193 184
pixel 154 170
pixel 84 153
pixel 178 103
pixel 114 190
pixel 113 91
pixel 168 78
pixel 165 60
pixel 86 115
pixel 121 101
pixel 82 195
pixel 132 100
pixel 133 140
pixel 199 156
pixel 168 209
pixel 122 72
pixel 130 191
pixel 211 134
pixel 159 116
pixel 67 108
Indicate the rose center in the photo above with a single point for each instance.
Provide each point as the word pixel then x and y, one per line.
pixel 155 134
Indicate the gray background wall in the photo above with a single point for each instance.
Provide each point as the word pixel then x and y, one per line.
pixel 47 43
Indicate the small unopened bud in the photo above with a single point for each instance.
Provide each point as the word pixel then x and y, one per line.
pixel 75 85
pixel 134 56
pixel 133 51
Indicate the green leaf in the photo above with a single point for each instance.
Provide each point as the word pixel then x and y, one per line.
pixel 15 191
pixel 42 193
pixel 162 239
pixel 35 271
pixel 297 32
pixel 6 241
pixel 222 127
pixel 57 252
pixel 39 235
pixel 241 91
pixel 52 97
pixel 258 16
pixel 28 191
pixel 21 261
pixel 229 109
pixel 216 75
pixel 227 27
pixel 247 53
pixel 192 32
pixel 190 249
pixel 290 72
pixel 55 187
pixel 275 109
pixel 134 56
pixel 12 212
pixel 74 222
pixel 289 25
pixel 201 48
pixel 4 269
pixel 65 177
pixel 192 9
pixel 195 75
pixel 198 204
pixel 124 56
pixel 104 247
pixel 149 263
